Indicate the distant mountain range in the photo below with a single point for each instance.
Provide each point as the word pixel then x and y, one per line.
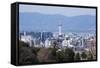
pixel 46 22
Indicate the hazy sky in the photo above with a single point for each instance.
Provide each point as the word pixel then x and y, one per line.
pixel 66 11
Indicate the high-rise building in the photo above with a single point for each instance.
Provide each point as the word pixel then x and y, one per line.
pixel 60 28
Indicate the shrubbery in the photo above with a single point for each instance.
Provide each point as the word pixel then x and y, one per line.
pixel 26 54
pixel 65 55
pixel 77 57
pixel 32 55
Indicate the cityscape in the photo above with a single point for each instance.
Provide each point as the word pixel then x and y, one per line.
pixel 78 42
pixel 42 40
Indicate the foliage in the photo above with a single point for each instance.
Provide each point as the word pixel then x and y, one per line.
pixel 69 54
pixel 65 55
pixel 84 55
pixel 77 57
pixel 26 55
pixel 90 56
pixel 32 55
pixel 60 56
pixel 22 44
pixel 35 50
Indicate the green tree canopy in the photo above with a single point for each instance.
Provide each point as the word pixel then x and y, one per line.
pixel 83 55
pixel 77 57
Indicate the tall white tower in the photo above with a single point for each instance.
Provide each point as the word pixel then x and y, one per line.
pixel 60 28
pixel 82 42
pixel 41 35
pixel 24 33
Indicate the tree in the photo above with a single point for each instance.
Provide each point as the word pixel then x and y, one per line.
pixel 46 55
pixel 35 50
pixel 26 56
pixel 60 56
pixel 90 56
pixel 69 54
pixel 84 55
pixel 77 57
pixel 55 43
pixel 22 44
pixel 54 51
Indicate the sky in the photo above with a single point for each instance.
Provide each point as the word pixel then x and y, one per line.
pixel 35 15
pixel 66 11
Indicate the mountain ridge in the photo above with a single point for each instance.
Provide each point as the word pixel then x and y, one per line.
pixel 33 21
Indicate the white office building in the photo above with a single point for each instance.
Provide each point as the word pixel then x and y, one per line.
pixel 47 43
